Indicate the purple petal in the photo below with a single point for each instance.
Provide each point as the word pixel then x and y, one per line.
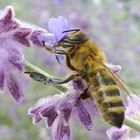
pixel 36 118
pixel 48 38
pixel 66 109
pixel 84 115
pixel 67 103
pixel 8 15
pixel 59 58
pixel 35 113
pixel 91 107
pixel 49 113
pixel 79 84
pixel 61 129
pixel 67 112
pixel 7 23
pixel 45 107
pixel 21 36
pixel 64 22
pixel 35 110
pixel 16 58
pixel 57 26
pixel 1 79
pixel 34 38
pixel 14 87
pixel 133 101
pixel 38 36
pixel 43 104
pixel 116 134
pixel 114 68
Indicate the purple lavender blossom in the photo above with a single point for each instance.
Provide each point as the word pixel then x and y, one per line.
pixel 11 62
pixel 57 110
pixel 14 35
pixel 23 33
pixel 57 26
pixel 114 68
pixel 126 132
pixel 117 134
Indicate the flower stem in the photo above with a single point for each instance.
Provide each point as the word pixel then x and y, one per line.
pixel 132 123
pixel 32 68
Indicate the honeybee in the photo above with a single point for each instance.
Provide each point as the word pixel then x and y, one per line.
pixel 85 58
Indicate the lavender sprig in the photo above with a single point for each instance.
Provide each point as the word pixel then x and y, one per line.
pixel 15 35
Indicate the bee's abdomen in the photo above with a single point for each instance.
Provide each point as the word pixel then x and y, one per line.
pixel 107 97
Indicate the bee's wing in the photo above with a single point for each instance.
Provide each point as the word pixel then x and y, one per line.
pixel 122 85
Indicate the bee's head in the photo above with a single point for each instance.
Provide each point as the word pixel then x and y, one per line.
pixel 73 37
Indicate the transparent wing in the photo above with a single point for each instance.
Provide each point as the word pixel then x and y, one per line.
pixel 122 85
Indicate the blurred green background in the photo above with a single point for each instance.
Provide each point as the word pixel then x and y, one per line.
pixel 113 24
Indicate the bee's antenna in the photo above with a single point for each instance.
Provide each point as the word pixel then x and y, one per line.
pixel 72 30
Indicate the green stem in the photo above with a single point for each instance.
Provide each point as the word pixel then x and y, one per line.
pixel 134 124
pixel 31 68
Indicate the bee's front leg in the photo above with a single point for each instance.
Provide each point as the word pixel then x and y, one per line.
pixel 62 52
pixel 68 62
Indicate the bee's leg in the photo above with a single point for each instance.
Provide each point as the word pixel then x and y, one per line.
pixel 37 76
pixel 67 59
pixel 50 81
pixel 85 94
pixel 62 52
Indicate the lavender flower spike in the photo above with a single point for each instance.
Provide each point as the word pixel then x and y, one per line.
pixel 57 110
pixel 22 33
pixel 57 26
pixel 15 34
pixel 11 62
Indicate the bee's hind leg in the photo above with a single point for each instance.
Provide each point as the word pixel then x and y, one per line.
pixel 61 81
pixel 85 95
pixel 50 81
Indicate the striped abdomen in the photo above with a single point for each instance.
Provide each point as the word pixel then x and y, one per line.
pixel 107 97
